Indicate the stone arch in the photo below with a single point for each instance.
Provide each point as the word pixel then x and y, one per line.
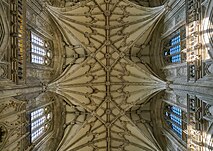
pixel 4 31
pixel 208 28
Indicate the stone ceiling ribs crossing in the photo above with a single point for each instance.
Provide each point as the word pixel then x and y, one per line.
pixel 106 85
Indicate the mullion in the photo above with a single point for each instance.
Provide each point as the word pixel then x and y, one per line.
pixel 174 117
pixel 36 134
pixel 37 59
pixel 172 52
pixel 38 123
pixel 37 113
pixel 37 40
pixel 38 51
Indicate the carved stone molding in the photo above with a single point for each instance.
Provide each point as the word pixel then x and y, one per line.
pixel 208 28
pixel 3 71
pixel 3 134
pixel 102 90
pixel 208 68
pixel 4 31
pixel 13 119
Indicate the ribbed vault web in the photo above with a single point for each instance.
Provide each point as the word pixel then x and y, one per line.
pixel 103 92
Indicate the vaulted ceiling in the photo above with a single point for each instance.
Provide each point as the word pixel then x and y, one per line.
pixel 62 3
pixel 107 92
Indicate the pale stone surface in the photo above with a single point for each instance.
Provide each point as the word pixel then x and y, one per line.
pixel 105 76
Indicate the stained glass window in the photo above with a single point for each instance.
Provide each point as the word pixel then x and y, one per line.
pixel 174 47
pixel 175 121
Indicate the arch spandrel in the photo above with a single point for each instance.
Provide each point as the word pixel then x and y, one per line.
pixel 107 84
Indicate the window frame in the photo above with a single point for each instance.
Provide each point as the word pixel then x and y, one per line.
pixel 40 123
pixel 40 49
pixel 175 43
pixel 168 122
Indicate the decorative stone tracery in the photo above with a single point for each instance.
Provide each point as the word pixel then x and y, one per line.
pixel 105 87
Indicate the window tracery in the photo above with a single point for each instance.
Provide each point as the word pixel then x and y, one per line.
pixel 175 121
pixel 174 47
pixel 40 122
pixel 40 50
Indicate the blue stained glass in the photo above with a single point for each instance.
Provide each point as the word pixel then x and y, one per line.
pixel 176 120
pixel 175 40
pixel 176 110
pixel 171 51
pixel 177 130
pixel 176 58
pixel 175 49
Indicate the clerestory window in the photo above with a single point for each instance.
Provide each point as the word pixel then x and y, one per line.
pixel 176 121
pixel 40 122
pixel 174 47
pixel 40 50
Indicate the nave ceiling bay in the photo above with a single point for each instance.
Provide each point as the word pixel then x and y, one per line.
pixel 106 90
pixel 64 3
